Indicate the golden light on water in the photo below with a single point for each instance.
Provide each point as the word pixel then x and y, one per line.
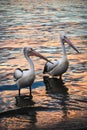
pixel 38 24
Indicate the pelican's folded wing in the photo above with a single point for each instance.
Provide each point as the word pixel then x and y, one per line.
pixel 48 66
pixel 18 73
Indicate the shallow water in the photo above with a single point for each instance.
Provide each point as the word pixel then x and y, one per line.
pixel 38 24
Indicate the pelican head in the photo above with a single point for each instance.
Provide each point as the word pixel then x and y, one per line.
pixel 65 39
pixel 31 52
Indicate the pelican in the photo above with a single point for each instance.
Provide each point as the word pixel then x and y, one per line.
pixel 25 78
pixel 59 66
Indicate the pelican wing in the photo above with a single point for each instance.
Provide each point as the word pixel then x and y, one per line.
pixel 18 73
pixel 48 66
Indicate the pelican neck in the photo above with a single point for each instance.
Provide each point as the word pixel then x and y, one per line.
pixel 63 49
pixel 30 61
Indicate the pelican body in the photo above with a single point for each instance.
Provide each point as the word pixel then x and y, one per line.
pixel 59 66
pixel 25 78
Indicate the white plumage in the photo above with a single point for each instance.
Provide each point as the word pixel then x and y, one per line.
pixel 60 66
pixel 18 73
pixel 25 78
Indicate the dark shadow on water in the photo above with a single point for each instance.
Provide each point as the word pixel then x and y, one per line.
pixel 57 90
pixel 25 109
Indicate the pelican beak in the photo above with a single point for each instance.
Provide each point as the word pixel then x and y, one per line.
pixel 70 43
pixel 34 53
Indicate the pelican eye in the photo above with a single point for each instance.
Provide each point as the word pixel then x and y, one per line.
pixel 64 36
pixel 30 49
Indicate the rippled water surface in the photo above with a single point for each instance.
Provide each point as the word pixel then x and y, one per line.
pixel 38 24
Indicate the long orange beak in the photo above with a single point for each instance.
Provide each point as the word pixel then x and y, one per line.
pixel 71 44
pixel 34 53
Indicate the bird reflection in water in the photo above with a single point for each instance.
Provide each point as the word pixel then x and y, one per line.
pixel 57 90
pixel 55 86
pixel 27 108
pixel 24 101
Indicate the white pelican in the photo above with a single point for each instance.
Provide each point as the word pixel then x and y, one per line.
pixel 60 66
pixel 25 78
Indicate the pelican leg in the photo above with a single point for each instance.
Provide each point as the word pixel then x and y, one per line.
pixel 60 77
pixel 19 91
pixel 30 93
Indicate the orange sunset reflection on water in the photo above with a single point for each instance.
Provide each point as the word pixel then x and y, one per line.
pixel 56 103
